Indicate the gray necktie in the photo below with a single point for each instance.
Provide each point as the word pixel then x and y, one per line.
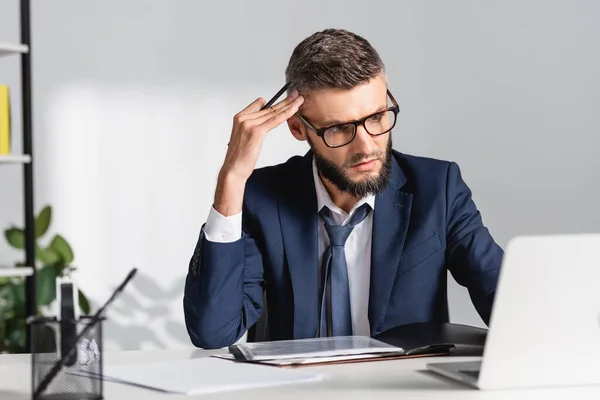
pixel 334 311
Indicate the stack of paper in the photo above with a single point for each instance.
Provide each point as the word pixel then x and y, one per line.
pixel 204 375
pixel 312 351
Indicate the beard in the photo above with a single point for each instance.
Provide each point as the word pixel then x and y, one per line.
pixel 371 185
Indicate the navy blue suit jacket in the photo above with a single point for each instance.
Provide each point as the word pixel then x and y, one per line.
pixel 425 223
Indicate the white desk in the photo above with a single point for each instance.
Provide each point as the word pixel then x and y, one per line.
pixel 398 380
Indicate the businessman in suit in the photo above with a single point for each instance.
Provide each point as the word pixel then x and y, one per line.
pixel 354 237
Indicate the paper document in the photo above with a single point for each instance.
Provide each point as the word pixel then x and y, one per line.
pixel 205 375
pixel 318 347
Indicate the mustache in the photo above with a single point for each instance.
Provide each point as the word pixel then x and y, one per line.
pixel 361 157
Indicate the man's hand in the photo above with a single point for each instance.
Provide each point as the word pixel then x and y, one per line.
pixel 250 126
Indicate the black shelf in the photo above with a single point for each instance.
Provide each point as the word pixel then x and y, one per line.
pixel 23 49
pixel 26 84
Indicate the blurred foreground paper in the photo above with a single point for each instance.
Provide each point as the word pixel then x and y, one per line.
pixel 205 375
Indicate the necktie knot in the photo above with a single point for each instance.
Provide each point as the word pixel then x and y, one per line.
pixel 338 234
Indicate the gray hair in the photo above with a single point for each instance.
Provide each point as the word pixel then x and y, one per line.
pixel 332 58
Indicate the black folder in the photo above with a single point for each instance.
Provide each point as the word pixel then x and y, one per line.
pixel 436 337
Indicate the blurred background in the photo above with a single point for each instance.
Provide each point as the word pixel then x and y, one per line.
pixel 133 103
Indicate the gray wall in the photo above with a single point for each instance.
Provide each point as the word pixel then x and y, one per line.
pixel 134 99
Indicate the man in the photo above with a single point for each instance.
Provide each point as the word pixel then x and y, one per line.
pixel 353 238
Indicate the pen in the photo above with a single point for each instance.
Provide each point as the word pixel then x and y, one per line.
pixel 274 98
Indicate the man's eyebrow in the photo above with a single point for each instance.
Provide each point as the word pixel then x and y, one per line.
pixel 332 122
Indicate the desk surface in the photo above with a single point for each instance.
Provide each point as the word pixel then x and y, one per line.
pixel 396 379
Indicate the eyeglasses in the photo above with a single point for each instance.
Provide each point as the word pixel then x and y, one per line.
pixel 376 124
pixel 339 135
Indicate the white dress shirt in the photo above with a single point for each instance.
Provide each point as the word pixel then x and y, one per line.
pixel 223 229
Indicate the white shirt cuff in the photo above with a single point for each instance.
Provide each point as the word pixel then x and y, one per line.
pixel 221 229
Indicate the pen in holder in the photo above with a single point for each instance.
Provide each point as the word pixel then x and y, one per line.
pixel 81 376
pixel 71 370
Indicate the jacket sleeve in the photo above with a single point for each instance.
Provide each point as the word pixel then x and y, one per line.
pixel 223 290
pixel 474 257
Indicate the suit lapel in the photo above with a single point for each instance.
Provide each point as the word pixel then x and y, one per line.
pixel 390 224
pixel 298 217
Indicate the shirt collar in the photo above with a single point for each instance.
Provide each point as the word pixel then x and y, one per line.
pixel 324 200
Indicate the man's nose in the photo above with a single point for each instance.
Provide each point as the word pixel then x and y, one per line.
pixel 363 143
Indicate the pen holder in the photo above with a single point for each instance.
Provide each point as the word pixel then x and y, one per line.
pixel 81 376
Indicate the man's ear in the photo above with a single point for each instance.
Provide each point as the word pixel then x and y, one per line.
pixel 297 128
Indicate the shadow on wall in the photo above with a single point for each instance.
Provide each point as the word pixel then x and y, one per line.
pixel 142 319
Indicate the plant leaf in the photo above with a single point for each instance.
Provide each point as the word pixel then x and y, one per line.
pixel 42 222
pixel 19 299
pixel 47 256
pixel 62 249
pixel 6 298
pixel 17 337
pixel 12 299
pixel 46 285
pixel 84 303
pixel 15 237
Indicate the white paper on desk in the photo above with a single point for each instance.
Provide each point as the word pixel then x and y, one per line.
pixel 204 375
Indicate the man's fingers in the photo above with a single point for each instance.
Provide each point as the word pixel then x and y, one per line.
pixel 253 107
pixel 293 96
pixel 272 112
pixel 280 116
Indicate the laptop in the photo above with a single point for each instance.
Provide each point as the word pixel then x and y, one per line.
pixel 545 324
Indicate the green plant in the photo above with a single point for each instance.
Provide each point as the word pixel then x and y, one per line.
pixel 52 260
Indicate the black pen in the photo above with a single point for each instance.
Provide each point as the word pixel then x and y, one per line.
pixel 270 102
pixel 274 98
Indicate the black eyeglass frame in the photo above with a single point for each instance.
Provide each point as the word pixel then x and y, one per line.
pixel 321 131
